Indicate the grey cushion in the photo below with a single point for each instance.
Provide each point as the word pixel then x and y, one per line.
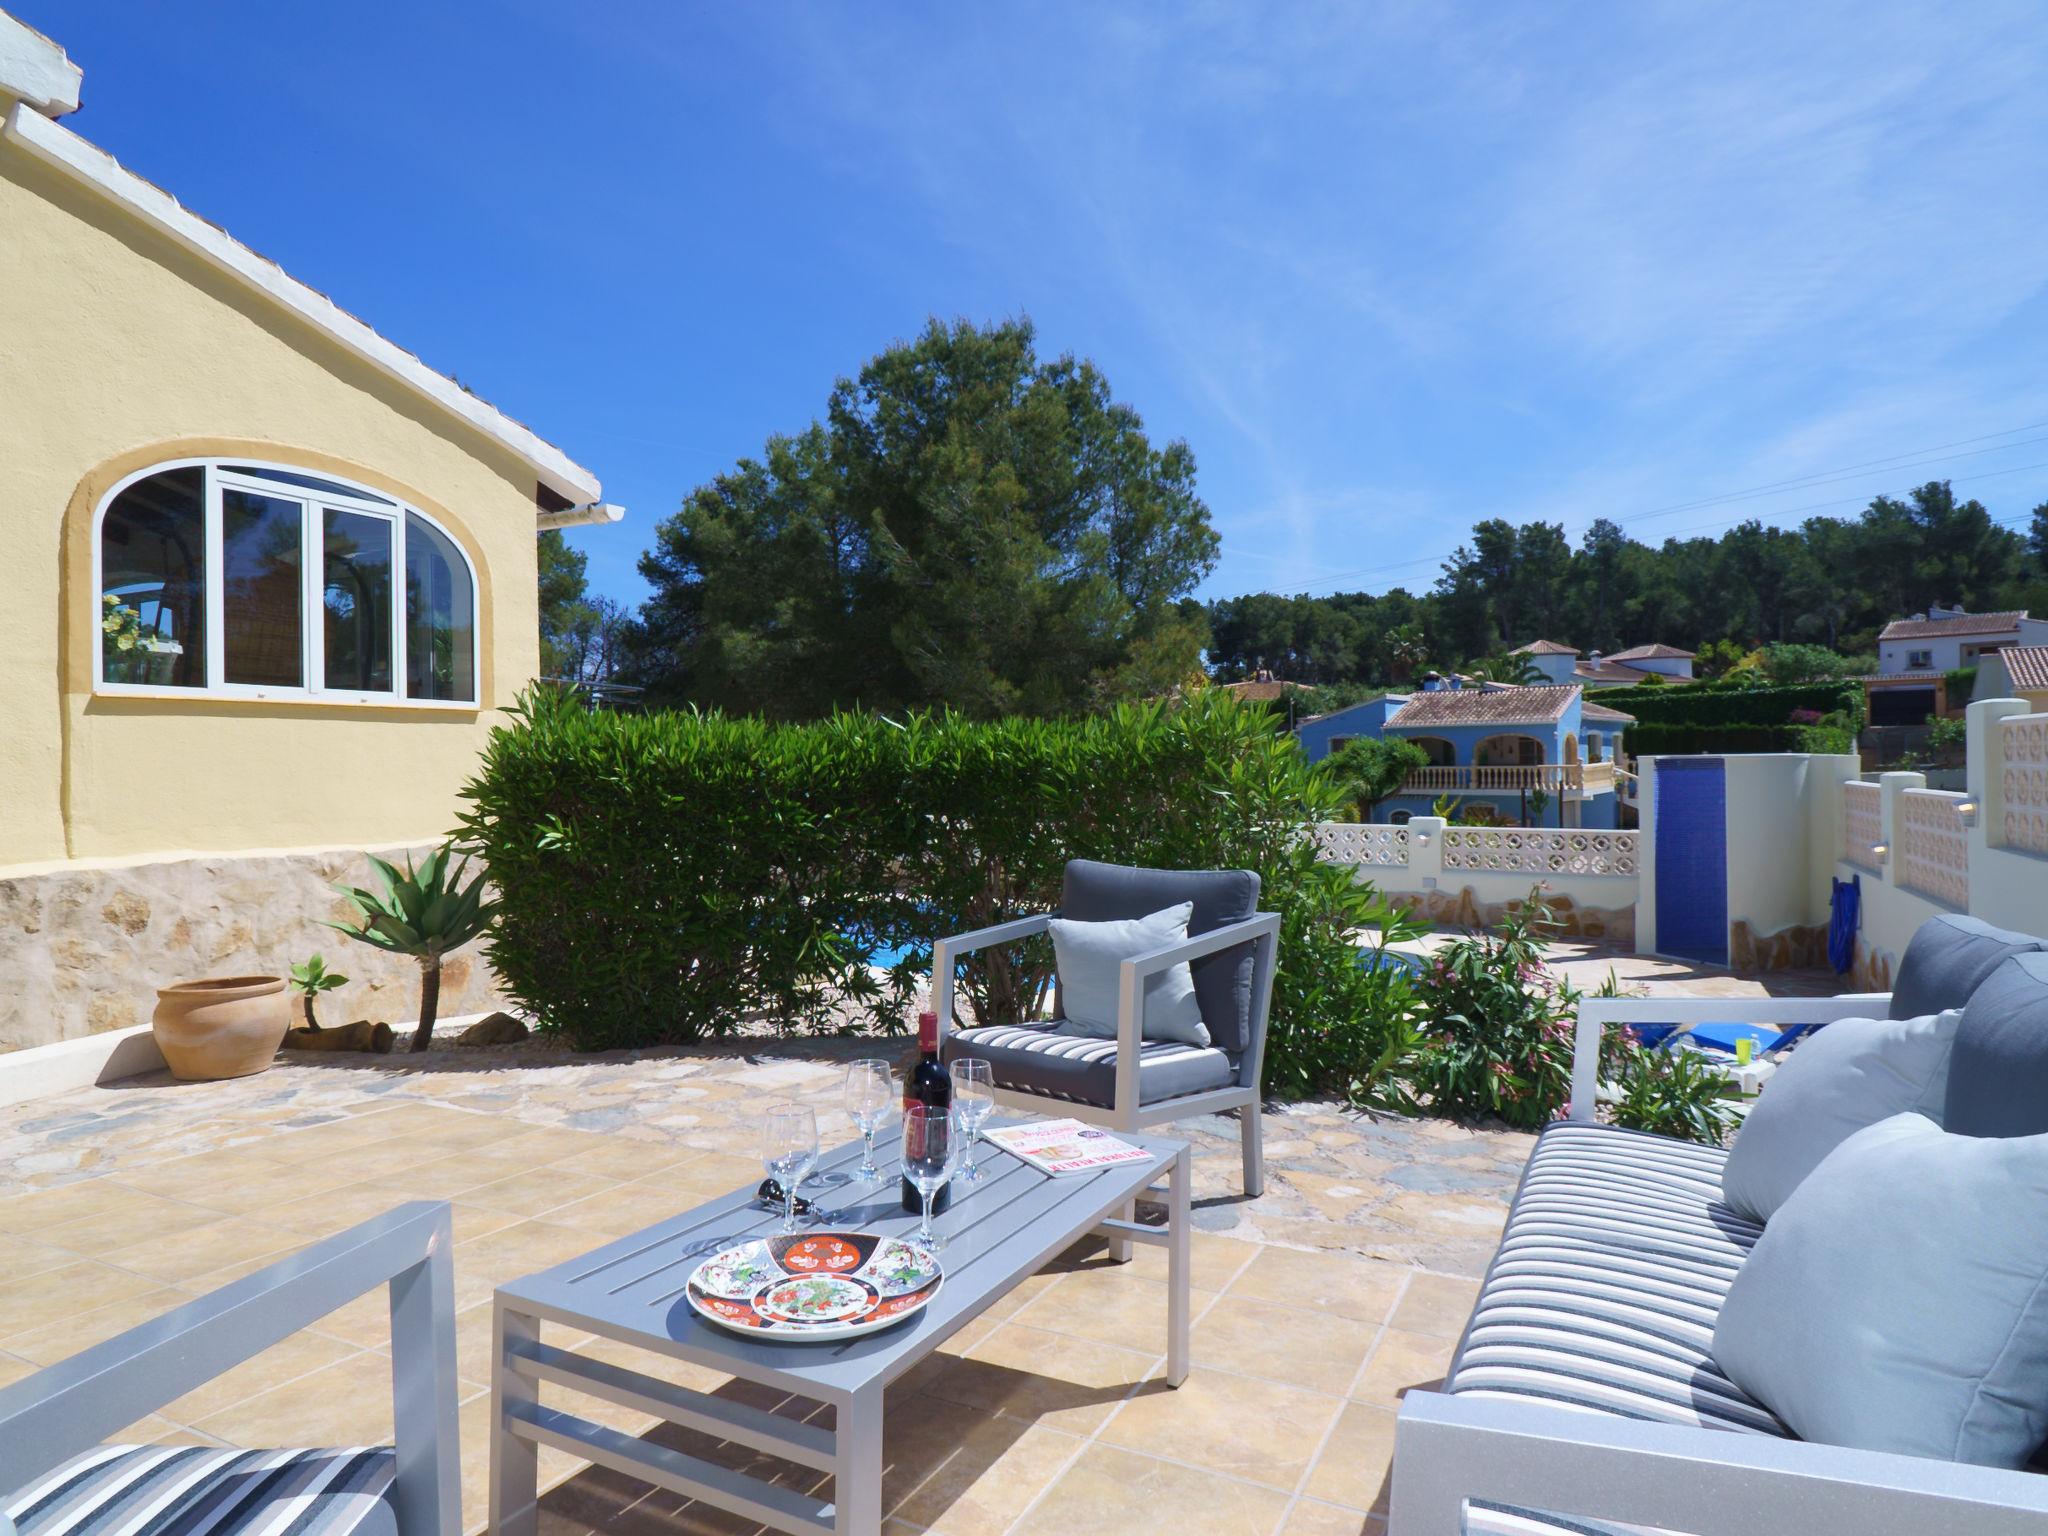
pixel 1603 1295
pixel 1998 1077
pixel 203 1489
pixel 1851 1074
pixel 1090 958
pixel 1948 958
pixel 1053 1060
pixel 1899 1300
pixel 1096 893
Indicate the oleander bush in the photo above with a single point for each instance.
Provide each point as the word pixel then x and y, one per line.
pixel 666 877
pixel 1496 1030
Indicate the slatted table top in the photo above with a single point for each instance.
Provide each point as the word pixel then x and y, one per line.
pixel 1005 1227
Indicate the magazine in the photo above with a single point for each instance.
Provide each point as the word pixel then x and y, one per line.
pixel 1065 1146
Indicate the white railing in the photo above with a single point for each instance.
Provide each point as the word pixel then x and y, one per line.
pixel 1862 822
pixel 2025 782
pixel 1352 842
pixel 1540 851
pixel 1584 778
pixel 1934 846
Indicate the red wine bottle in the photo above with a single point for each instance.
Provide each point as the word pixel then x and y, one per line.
pixel 930 1086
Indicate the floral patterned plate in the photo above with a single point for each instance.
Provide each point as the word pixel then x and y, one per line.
pixel 815 1285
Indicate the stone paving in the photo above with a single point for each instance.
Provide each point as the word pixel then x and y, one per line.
pixel 1316 1306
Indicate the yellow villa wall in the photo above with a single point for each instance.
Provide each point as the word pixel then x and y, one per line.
pixel 119 349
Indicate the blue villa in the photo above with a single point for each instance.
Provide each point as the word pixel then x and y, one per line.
pixel 1490 747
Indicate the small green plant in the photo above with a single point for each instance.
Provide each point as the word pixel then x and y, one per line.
pixel 1496 1034
pixel 1539 802
pixel 1946 736
pixel 310 979
pixel 426 913
pixel 1677 1093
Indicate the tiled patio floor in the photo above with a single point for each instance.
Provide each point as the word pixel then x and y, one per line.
pixel 1315 1307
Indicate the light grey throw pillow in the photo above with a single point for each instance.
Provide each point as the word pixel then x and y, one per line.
pixel 1090 956
pixel 1899 1300
pixel 1851 1074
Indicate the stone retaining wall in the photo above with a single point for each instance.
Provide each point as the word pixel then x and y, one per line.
pixel 83 950
pixel 1466 909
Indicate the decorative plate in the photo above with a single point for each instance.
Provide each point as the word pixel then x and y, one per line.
pixel 815 1285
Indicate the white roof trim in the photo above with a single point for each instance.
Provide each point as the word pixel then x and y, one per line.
pixel 36 69
pixel 87 163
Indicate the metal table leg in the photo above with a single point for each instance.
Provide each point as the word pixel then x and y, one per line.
pixel 1178 1265
pixel 857 1468
pixel 515 1460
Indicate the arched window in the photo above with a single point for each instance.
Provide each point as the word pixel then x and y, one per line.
pixel 254 580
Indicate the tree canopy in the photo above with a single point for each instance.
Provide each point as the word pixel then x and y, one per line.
pixel 969 525
pixel 1826 586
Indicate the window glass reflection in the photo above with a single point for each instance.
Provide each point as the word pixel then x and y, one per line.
pixel 152 613
pixel 262 590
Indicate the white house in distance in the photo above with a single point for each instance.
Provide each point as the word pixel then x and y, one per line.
pixel 1562 665
pixel 1942 639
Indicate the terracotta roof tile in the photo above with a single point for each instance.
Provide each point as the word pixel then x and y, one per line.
pixel 1591 711
pixel 1263 691
pixel 2026 666
pixel 1535 705
pixel 1609 672
pixel 1543 648
pixel 1652 653
pixel 1967 624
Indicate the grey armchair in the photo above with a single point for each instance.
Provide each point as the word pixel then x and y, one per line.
pixel 56 1477
pixel 1130 1083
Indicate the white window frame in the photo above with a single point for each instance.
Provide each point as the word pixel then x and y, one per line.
pixel 313 505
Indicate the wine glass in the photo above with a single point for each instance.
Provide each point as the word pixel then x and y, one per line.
pixel 931 1146
pixel 789 1149
pixel 870 1089
pixel 974 1100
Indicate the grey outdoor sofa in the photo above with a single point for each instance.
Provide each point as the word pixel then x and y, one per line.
pixel 1130 1083
pixel 56 1477
pixel 1584 1394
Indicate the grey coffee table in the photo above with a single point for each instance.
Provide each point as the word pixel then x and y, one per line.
pixel 1007 1226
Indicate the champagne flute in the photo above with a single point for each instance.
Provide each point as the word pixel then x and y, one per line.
pixel 974 1099
pixel 870 1089
pixel 931 1146
pixel 789 1149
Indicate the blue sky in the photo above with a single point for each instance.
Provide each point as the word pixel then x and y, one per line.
pixel 1389 269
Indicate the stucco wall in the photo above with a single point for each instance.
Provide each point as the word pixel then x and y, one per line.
pixel 121 350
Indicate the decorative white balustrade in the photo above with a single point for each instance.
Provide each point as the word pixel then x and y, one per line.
pixel 1487 850
pixel 1353 842
pixel 1934 846
pixel 1862 822
pixel 2025 739
pixel 1582 778
pixel 1540 851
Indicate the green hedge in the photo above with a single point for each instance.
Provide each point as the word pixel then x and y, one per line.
pixel 1690 740
pixel 1698 704
pixel 1962 686
pixel 665 877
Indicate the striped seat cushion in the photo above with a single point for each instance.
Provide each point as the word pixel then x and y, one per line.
pixel 186 1490
pixel 1616 1259
pixel 1048 1059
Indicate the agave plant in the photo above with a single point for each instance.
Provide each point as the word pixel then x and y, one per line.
pixel 426 913
pixel 312 978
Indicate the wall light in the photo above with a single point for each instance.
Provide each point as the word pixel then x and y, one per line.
pixel 1880 851
pixel 1967 810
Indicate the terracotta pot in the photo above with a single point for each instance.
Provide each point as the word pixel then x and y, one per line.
pixel 225 1026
